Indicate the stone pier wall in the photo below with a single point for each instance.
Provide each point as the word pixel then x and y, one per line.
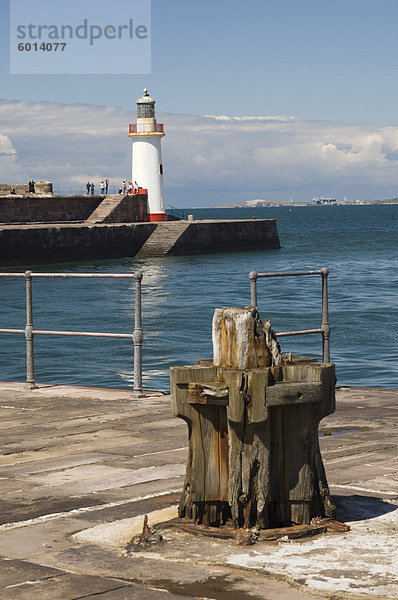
pixel 28 244
pixel 35 244
pixel 203 237
pixel 47 209
pixel 33 208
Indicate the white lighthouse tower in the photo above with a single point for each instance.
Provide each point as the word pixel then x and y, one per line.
pixel 147 135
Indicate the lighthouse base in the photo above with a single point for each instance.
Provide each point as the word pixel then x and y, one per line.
pixel 156 217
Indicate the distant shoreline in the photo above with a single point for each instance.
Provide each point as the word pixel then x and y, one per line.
pixel 266 204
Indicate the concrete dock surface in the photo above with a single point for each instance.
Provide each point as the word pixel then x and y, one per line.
pixel 80 467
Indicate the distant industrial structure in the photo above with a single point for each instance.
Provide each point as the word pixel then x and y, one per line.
pixel 323 200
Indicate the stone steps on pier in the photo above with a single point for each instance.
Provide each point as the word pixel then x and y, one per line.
pixel 163 238
pixel 107 206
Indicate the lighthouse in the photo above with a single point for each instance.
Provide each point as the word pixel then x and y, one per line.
pixel 147 168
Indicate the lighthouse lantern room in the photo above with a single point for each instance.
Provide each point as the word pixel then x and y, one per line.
pixel 147 168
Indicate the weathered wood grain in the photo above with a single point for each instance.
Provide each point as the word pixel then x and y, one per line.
pixel 253 421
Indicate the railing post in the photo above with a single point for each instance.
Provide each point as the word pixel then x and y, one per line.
pixel 325 316
pixel 137 338
pixel 253 275
pixel 30 361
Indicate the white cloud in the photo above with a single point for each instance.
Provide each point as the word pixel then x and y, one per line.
pixel 208 159
pixel 67 144
pixel 6 147
pixel 8 159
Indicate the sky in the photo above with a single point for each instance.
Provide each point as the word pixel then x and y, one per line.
pixel 260 99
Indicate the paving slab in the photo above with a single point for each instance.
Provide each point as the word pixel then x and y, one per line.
pixel 147 489
pixel 18 509
pixel 62 587
pixel 14 572
pixel 50 464
pixel 33 539
pixel 88 479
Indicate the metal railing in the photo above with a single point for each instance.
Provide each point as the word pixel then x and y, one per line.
pixel 30 332
pixel 81 190
pixel 175 212
pixel 146 128
pixel 324 330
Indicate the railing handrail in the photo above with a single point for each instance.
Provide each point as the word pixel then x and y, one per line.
pixel 81 190
pixel 146 128
pixel 324 330
pixel 96 275
pixel 30 331
pixel 175 211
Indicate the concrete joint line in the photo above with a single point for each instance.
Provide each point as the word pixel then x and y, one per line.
pixel 78 511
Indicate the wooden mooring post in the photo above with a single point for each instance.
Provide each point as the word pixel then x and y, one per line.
pixel 253 417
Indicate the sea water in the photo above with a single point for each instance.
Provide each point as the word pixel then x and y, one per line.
pixel 359 244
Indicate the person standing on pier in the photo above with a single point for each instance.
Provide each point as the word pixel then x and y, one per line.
pixel 106 185
pixel 31 186
pixel 88 187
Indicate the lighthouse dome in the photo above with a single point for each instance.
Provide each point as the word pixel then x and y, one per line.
pixel 146 99
pixel 146 106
